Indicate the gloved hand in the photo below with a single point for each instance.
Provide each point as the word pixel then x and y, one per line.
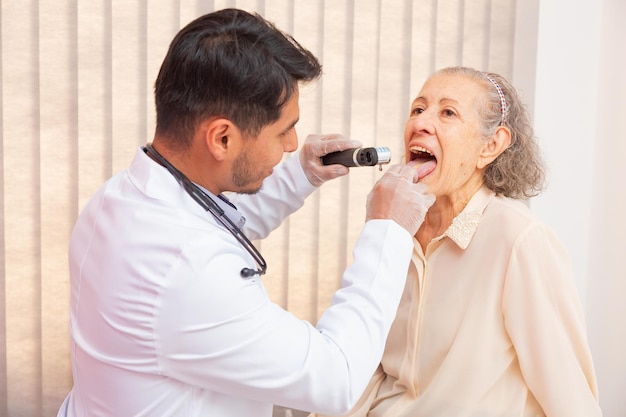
pixel 316 146
pixel 399 197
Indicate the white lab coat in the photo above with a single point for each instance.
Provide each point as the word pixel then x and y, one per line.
pixel 162 324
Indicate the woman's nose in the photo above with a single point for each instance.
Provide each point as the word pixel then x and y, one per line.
pixel 422 122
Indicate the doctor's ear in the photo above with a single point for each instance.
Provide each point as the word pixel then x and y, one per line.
pixel 218 133
pixel 497 144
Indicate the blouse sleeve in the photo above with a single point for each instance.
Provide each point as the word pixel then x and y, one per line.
pixel 545 320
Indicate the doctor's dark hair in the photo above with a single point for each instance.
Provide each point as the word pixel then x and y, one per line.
pixel 230 64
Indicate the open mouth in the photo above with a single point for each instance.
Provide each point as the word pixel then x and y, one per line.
pixel 424 161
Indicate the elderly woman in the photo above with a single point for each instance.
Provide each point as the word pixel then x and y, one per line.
pixel 490 324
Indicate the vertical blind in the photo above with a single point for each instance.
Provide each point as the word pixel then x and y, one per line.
pixel 76 101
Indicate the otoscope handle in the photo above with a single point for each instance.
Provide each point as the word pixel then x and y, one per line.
pixel 359 157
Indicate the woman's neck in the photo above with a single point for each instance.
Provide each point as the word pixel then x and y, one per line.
pixel 441 214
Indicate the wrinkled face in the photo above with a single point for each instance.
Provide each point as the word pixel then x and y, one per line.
pixel 441 137
pixel 262 153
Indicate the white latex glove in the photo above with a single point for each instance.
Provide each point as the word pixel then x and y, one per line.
pixel 399 197
pixel 316 146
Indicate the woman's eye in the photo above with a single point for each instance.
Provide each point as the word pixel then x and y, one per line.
pixel 448 112
pixel 417 110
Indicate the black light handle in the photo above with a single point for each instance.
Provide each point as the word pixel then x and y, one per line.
pixel 359 157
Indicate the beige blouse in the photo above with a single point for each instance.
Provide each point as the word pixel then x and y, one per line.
pixel 490 325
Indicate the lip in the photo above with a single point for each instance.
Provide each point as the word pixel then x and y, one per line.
pixel 423 146
pixel 424 165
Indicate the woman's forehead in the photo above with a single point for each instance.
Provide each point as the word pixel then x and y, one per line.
pixel 454 87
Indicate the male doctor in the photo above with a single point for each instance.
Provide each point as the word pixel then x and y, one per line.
pixel 168 314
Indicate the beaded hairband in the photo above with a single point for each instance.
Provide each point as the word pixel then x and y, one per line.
pixel 502 99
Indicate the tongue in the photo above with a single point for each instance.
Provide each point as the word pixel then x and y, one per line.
pixel 425 168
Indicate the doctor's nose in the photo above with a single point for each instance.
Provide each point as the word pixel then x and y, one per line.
pixel 290 141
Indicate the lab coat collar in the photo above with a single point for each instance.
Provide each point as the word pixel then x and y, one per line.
pixel 155 181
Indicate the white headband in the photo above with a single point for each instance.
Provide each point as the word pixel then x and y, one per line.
pixel 502 99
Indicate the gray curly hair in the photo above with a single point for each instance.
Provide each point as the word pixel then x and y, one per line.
pixel 519 171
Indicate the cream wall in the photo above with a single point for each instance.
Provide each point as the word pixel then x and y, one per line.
pixel 580 118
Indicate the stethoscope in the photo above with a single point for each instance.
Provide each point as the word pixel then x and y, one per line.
pixel 212 207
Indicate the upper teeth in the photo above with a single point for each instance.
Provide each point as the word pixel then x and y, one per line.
pixel 417 149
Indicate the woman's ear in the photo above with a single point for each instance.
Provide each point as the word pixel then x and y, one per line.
pixel 219 134
pixel 495 146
